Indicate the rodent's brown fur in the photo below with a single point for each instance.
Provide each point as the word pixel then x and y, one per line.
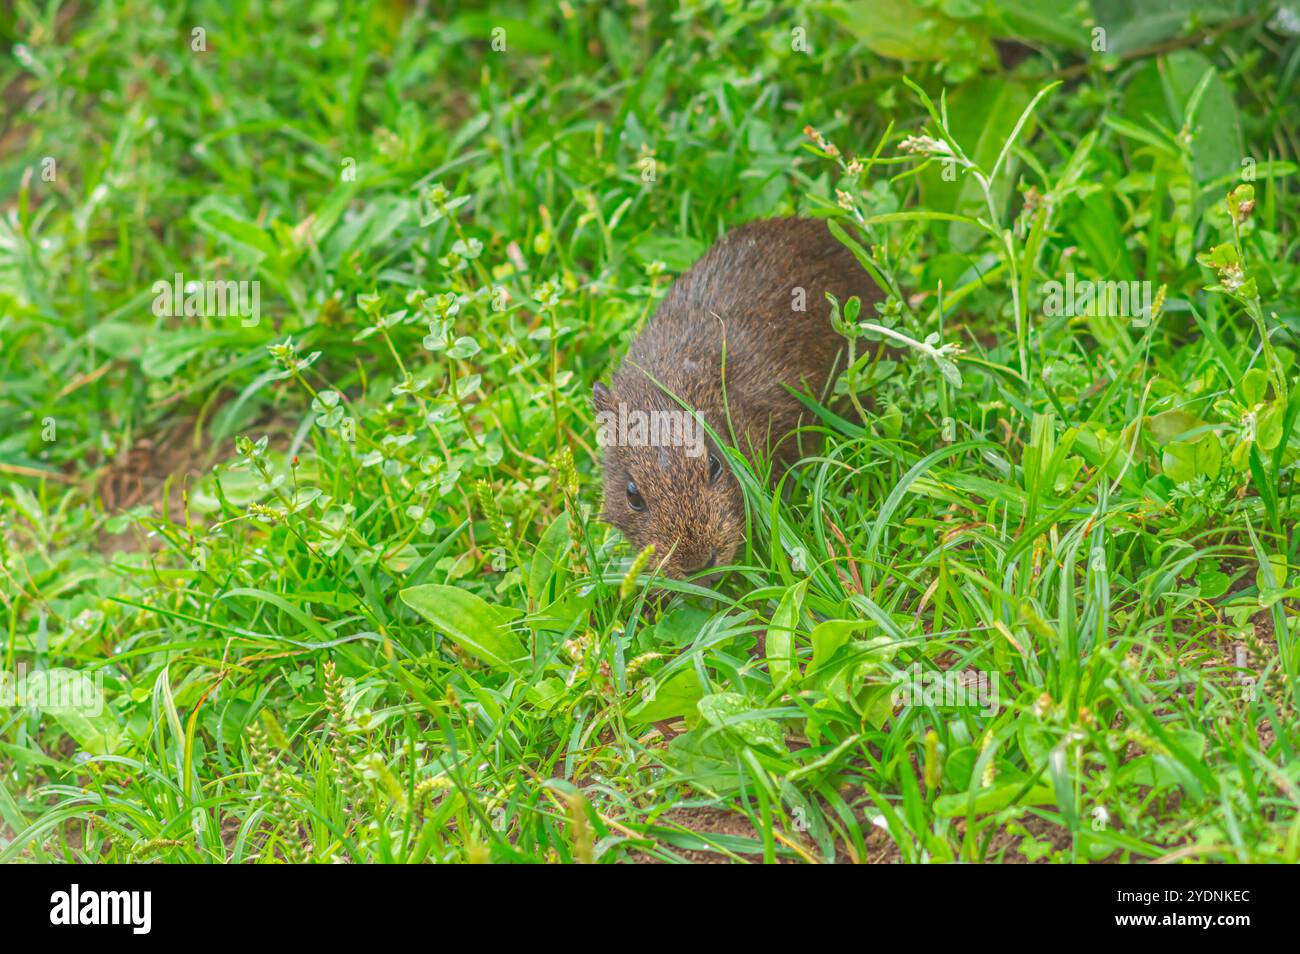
pixel 744 291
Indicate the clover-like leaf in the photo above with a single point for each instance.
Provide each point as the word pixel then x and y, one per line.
pixel 465 347
pixel 733 712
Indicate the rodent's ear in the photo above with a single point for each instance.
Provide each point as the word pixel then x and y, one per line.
pixel 601 398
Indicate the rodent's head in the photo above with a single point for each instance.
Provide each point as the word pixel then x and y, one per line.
pixel 666 483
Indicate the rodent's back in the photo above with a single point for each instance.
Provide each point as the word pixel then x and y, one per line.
pixel 760 290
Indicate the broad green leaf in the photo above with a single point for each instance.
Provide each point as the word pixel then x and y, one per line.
pixel 1212 582
pixel 959 765
pixel 908 30
pixel 547 694
pixel 1171 425
pixel 1161 770
pixel 1254 385
pixel 1130 25
pixel 733 711
pixel 1215 129
pixel 529 36
pixel 677 253
pixel 1061 22
pixel 1183 461
pixel 1277 566
pixel 781 664
pixel 993 800
pixel 1165 92
pixel 678 627
pixel 71 698
pixel 829 636
pixel 676 696
pixel 1095 227
pixel 546 561
pixel 1268 426
pixel 472 623
pixel 221 218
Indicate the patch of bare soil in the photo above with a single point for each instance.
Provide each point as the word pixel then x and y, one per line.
pixel 160 471
pixel 1007 845
pixel 229 832
pixel 152 473
pixel 881 848
pixel 706 827
pixel 708 836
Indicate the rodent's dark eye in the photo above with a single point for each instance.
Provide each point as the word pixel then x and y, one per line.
pixel 634 498
pixel 715 468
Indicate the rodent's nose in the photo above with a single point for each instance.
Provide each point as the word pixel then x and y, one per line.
pixel 706 564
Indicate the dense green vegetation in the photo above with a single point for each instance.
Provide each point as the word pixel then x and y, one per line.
pixel 334 559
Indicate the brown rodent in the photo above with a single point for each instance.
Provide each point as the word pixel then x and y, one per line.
pixel 747 290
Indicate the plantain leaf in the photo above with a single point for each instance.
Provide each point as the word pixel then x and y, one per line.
pixel 908 30
pixel 675 696
pixel 732 711
pixel 71 698
pixel 471 622
pixel 781 664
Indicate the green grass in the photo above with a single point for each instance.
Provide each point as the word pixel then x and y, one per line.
pixel 339 572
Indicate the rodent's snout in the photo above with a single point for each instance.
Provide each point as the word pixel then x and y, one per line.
pixel 709 547
pixel 708 563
